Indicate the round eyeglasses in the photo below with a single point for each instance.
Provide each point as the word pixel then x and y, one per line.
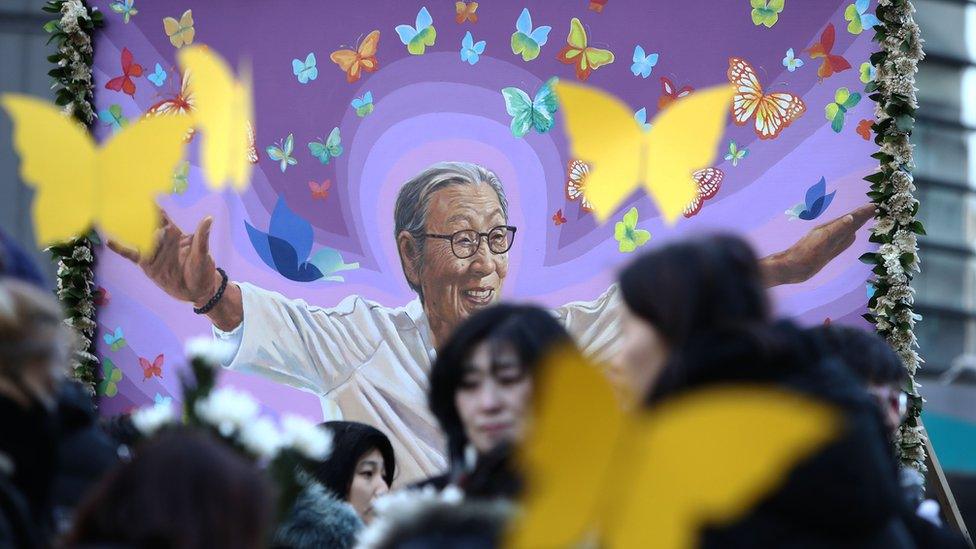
pixel 465 244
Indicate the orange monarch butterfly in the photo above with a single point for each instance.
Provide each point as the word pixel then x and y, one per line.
pixel 576 184
pixel 773 111
pixel 709 182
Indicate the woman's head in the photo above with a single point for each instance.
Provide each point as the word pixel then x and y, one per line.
pixel 679 291
pixel 360 467
pixel 481 382
pixel 182 489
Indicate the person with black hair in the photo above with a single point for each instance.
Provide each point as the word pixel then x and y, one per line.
pixel 481 387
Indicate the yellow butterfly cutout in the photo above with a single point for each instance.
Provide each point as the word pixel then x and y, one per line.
pixel 622 156
pixel 180 32
pixel 680 476
pixel 222 112
pixel 80 184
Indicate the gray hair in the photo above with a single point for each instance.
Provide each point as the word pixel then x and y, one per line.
pixel 410 213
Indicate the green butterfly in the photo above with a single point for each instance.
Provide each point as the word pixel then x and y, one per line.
pixel 111 376
pixel 843 101
pixel 531 113
pixel 281 152
pixel 736 154
pixel 327 149
pixel 628 235
pixel 867 72
pixel 766 12
pixel 180 177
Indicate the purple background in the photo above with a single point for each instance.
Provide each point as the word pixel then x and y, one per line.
pixel 434 107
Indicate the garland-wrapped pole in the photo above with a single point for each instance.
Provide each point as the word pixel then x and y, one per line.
pixel 896 230
pixel 72 32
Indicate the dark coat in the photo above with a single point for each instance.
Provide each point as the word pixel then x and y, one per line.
pixel 318 519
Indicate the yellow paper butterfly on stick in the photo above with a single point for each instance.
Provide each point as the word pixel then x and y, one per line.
pixel 222 114
pixel 676 457
pixel 80 184
pixel 623 157
pixel 180 32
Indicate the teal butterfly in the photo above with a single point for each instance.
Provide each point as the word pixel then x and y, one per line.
pixel 531 113
pixel 766 12
pixel 111 376
pixel 115 340
pixel 844 100
pixel 281 152
pixel 736 154
pixel 417 38
pixel 124 8
pixel 113 117
pixel 327 149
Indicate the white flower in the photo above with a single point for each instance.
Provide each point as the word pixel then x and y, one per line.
pixel 893 266
pixel 227 409
pixel 884 225
pixel 209 349
pixel 905 241
pixel 307 438
pixel 262 438
pixel 150 419
pixel 888 252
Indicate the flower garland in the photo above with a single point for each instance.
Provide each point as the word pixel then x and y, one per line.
pixel 76 258
pixel 896 230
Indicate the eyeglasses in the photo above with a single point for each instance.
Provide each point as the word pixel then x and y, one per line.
pixel 894 398
pixel 466 243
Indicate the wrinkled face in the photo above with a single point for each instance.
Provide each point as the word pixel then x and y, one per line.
pixel 367 484
pixel 454 288
pixel 493 397
pixel 636 367
pixel 893 403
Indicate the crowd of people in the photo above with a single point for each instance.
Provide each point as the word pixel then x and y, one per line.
pixel 696 315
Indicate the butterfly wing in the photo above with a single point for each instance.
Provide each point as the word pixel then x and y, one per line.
pixel 424 33
pixel 576 184
pixel 777 111
pixel 572 52
pixel 519 107
pixel 815 192
pixel 596 58
pixel 544 107
pixel 334 142
pixel 748 90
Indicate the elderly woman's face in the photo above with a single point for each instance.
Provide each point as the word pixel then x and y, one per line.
pixel 454 288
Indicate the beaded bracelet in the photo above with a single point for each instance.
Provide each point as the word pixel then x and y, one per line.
pixel 216 298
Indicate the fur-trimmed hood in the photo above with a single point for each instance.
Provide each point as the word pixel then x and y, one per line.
pixel 318 519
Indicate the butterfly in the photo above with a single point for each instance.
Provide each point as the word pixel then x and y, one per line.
pixel 643 63
pixel 791 62
pixel 641 117
pixel 470 50
pixel 558 218
pixel 466 12
pixel 831 63
pixel 528 113
pixel 130 68
pixel 772 112
pixel 363 105
pixel 578 53
pixel 766 12
pixel 150 369
pixel 708 182
pixel 418 38
pixel 158 76
pixel 363 59
pixel 597 5
pixel 281 152
pixel 328 148
pixel 102 296
pixel 179 103
pixel 125 8
pixel 180 32
pixel 576 184
pixel 864 129
pixel 320 191
pixel 736 154
pixel 814 203
pixel 305 71
pixel 670 93
pixel 627 235
pixel 113 117
pixel 602 132
pixel 180 177
pixel 527 41
pixel 868 72
pixel 113 186
pixel 287 245
pixel 160 400
pixel 836 111
pixel 111 376
pixel 115 340
pixel 252 150
pixel 857 17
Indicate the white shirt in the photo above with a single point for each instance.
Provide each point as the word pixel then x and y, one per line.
pixel 370 363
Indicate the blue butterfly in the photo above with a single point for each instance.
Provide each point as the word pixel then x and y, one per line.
pixel 419 37
pixel 287 245
pixel 471 51
pixel 114 340
pixel 161 400
pixel 643 63
pixel 814 204
pixel 305 71
pixel 281 152
pixel 870 289
pixel 527 41
pixel 113 117
pixel 791 62
pixel 858 18
pixel 529 113
pixel 327 149
pixel 641 117
pixel 363 105
pixel 158 77
pixel 125 8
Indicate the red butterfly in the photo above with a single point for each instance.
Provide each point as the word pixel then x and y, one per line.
pixel 709 182
pixel 669 94
pixel 831 63
pixel 558 218
pixel 124 83
pixel 864 129
pixel 102 296
pixel 179 103
pixel 153 369
pixel 320 190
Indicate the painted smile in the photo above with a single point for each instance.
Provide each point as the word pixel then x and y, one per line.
pixel 479 296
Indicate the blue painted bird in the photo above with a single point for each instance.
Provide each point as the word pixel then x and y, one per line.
pixel 816 202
